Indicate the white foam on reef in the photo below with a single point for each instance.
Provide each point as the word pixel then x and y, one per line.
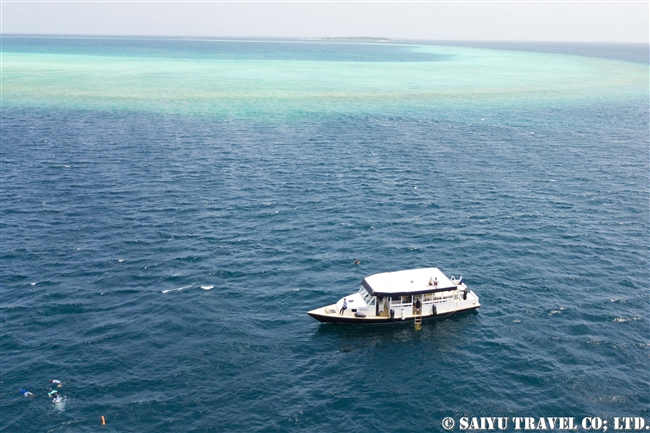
pixel 177 290
pixel 207 287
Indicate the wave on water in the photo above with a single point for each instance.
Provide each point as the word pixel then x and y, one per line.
pixel 285 292
pixel 207 287
pixel 624 320
pixel 178 289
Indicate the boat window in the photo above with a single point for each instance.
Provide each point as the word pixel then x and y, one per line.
pixel 406 299
pixel 396 300
pixel 371 301
pixel 363 292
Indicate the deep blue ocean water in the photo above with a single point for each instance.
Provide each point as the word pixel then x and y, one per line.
pixel 162 264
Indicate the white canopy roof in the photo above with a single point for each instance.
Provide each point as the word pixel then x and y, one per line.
pixel 407 282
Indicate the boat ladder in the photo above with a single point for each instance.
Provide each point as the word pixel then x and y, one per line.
pixel 418 322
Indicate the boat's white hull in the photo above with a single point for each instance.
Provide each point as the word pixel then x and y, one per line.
pixel 329 314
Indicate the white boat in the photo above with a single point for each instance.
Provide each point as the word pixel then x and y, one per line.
pixel 414 294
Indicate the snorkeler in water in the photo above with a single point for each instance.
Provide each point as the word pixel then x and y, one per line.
pixel 26 393
pixel 58 383
pixel 53 393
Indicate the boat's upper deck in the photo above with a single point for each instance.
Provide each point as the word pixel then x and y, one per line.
pixel 410 282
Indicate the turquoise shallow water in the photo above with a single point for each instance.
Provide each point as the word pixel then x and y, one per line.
pixel 171 210
pixel 275 81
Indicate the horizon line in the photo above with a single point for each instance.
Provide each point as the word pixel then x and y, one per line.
pixel 353 39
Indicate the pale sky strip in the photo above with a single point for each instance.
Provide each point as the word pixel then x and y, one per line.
pixel 514 20
pixel 326 1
